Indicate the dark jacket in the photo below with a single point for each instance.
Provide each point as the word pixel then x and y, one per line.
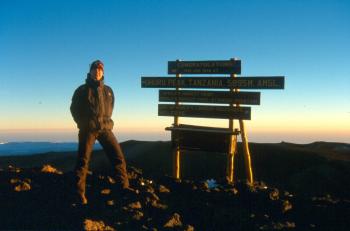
pixel 92 106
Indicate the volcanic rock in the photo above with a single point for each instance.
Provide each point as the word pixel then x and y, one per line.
pixel 173 221
pixel 49 169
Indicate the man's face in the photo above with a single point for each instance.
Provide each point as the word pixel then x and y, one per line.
pixel 97 73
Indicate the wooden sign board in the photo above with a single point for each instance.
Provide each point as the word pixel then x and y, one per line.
pixel 192 137
pixel 201 141
pixel 205 67
pixel 272 82
pixel 220 112
pixel 219 97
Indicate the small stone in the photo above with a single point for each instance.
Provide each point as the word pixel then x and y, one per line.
pixel 153 196
pixel 101 177
pixel 14 169
pixel 189 228
pixel 15 181
pixel 286 206
pixel 234 191
pixel 290 225
pixel 135 205
pixel 49 169
pixel 173 221
pixel 111 180
pixel 274 195
pixel 23 186
pixel 150 190
pixel 110 202
pixel 158 205
pixel 138 215
pixel 204 185
pixel 91 225
pixel 105 191
pixel 163 189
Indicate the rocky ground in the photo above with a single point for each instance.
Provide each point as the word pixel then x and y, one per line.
pixel 40 199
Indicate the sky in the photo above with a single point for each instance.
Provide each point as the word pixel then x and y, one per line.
pixel 46 48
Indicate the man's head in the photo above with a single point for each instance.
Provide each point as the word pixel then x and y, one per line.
pixel 96 70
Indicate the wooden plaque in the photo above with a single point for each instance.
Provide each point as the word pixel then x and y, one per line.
pixel 219 112
pixel 205 67
pixel 219 97
pixel 257 82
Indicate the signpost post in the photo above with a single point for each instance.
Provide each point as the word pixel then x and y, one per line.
pixel 192 137
pixel 176 150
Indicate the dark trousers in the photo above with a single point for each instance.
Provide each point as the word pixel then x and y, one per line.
pixel 113 150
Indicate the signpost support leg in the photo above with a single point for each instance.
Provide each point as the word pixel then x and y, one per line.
pixel 176 151
pixel 231 159
pixel 176 162
pixel 247 160
pixel 232 148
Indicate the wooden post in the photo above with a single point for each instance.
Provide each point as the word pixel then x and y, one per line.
pixel 232 149
pixel 176 151
pixel 247 160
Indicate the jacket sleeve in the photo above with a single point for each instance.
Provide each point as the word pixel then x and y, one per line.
pixel 75 107
pixel 112 104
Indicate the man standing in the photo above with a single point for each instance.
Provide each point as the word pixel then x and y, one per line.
pixel 91 108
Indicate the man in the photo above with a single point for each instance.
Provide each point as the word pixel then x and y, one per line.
pixel 91 108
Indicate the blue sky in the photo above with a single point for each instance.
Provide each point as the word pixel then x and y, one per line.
pixel 46 48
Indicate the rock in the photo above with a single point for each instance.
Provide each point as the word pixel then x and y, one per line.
pixel 152 196
pixel 91 225
pixel 233 191
pixel 274 194
pixel 278 226
pixel 189 228
pixel 286 206
pixel 110 180
pixel 150 189
pixel 204 185
pixel 110 202
pixel 173 221
pixel 156 204
pixel 163 189
pixel 23 186
pixel 137 215
pixel 132 175
pixel 135 205
pixel 13 169
pixel 105 191
pixel 15 181
pixel 49 169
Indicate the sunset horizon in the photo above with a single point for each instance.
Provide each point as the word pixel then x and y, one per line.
pixel 47 48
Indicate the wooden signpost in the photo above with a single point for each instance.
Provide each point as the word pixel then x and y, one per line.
pixel 204 138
